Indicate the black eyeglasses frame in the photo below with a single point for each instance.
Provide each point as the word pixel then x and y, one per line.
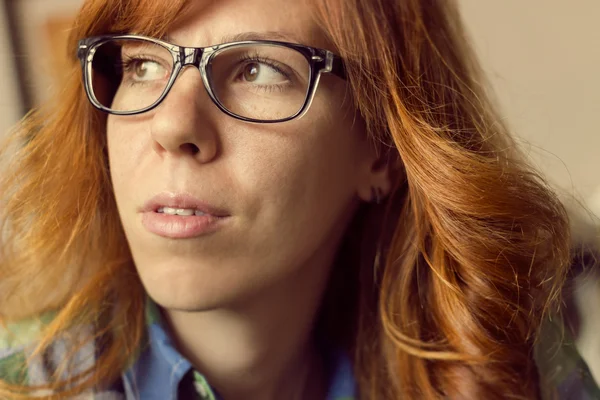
pixel 319 60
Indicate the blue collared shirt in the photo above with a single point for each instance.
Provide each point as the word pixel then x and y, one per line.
pixel 160 369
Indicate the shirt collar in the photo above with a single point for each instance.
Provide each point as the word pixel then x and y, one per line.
pixel 160 368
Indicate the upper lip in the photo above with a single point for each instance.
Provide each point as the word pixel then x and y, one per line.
pixel 182 200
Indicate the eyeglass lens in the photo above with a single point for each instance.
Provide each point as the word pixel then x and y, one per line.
pixel 257 81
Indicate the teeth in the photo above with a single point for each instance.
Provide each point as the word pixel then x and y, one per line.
pixel 179 211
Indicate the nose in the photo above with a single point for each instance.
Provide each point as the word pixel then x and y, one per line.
pixel 184 124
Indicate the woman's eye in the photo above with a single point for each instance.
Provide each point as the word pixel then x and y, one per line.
pixel 262 74
pixel 147 70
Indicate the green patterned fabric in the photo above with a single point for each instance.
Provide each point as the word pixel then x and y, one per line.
pixel 202 387
pixel 564 373
pixel 13 370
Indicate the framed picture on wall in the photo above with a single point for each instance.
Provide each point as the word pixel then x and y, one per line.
pixel 39 32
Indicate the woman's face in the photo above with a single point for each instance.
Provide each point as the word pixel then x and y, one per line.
pixel 276 197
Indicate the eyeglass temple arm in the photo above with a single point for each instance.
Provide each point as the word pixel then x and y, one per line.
pixel 335 65
pixel 81 52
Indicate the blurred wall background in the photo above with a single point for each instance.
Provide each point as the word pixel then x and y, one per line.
pixel 542 57
pixel 10 109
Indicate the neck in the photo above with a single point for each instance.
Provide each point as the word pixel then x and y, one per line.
pixel 263 349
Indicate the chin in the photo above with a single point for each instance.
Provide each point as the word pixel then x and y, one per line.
pixel 183 285
pixel 200 282
pixel 186 298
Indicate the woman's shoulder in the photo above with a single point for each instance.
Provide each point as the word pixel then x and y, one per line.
pixel 21 364
pixel 18 341
pixel 564 373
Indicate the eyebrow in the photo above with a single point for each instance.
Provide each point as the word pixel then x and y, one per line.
pixel 240 37
pixel 268 35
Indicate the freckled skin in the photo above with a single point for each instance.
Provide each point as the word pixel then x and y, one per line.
pixel 290 187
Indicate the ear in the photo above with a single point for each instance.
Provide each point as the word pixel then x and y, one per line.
pixel 376 182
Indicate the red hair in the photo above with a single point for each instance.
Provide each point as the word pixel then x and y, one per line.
pixel 452 275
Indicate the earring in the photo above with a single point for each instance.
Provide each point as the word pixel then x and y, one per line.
pixel 376 195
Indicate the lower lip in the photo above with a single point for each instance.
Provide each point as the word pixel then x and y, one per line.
pixel 180 227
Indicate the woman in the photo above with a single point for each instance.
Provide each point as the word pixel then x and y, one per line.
pixel 324 207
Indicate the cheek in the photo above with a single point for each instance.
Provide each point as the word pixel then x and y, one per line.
pixel 318 158
pixel 307 173
pixel 126 143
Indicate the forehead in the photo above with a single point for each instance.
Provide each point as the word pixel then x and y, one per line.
pixel 210 22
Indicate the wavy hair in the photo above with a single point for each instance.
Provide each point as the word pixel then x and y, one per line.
pixel 452 275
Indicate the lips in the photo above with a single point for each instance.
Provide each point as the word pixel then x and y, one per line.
pixel 186 217
pixel 181 201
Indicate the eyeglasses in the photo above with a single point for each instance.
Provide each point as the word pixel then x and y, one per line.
pixel 256 80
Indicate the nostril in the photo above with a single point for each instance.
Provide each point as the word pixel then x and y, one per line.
pixel 190 148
